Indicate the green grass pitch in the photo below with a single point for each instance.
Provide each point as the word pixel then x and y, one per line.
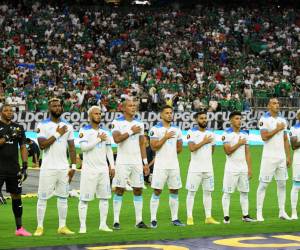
pixel 164 231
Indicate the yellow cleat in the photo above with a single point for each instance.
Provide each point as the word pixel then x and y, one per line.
pixel 64 230
pixel 39 231
pixel 190 221
pixel 105 229
pixel 211 220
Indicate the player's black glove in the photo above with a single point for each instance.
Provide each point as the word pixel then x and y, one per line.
pixel 24 173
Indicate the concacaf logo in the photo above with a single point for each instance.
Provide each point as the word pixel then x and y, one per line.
pixel 223 138
pixel 38 130
pixel 261 123
pixel 151 133
pixel 80 135
pixel 188 137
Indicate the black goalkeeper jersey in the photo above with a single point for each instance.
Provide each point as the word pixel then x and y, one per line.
pixel 9 151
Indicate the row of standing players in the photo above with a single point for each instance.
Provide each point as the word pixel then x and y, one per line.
pixel 55 135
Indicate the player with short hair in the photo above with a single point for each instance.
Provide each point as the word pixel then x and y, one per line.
pixel 12 136
pixel 275 157
pixel 295 142
pixel 128 133
pixel 201 142
pixel 95 143
pixel 166 141
pixel 55 136
pixel 238 167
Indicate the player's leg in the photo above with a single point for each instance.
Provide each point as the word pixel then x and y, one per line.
pixel 137 183
pixel 294 199
pixel 159 179
pixel 243 188
pixel 281 177
pixel 229 185
pixel 208 187
pixel 192 185
pixel 103 192
pixel 174 184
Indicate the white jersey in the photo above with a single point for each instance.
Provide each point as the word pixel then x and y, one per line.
pixel 201 159
pixel 236 162
pixel 274 147
pixel 95 158
pixel 295 133
pixel 166 156
pixel 129 151
pixel 55 156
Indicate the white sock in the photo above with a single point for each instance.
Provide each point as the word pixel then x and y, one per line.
pixel 40 211
pixel 281 193
pixel 62 206
pixel 154 203
pixel 138 207
pixel 103 209
pixel 82 211
pixel 207 203
pixel 173 203
pixel 226 203
pixel 260 196
pixel 190 198
pixel 117 204
pixel 244 203
pixel 294 197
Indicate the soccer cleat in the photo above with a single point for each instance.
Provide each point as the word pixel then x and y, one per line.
pixel 153 224
pixel 142 225
pixel 190 221
pixel 294 217
pixel 226 220
pixel 65 230
pixel 39 231
pixel 211 220
pixel 284 216
pixel 105 228
pixel 247 218
pixel 178 223
pixel 116 226
pixel 22 232
pixel 259 217
pixel 82 230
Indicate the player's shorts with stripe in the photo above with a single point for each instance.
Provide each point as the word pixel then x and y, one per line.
pixel 132 174
pixel 233 181
pixel 195 179
pixel 162 176
pixel 271 167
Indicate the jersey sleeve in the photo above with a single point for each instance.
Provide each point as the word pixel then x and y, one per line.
pixel 213 138
pixel 71 133
pixel 189 137
pixel 41 132
pixel 179 135
pixel 247 138
pixel 82 136
pixel 225 138
pixel 262 124
pixel 285 125
pixel 115 126
pixel 153 134
pixel 22 138
pixel 293 133
pixel 108 140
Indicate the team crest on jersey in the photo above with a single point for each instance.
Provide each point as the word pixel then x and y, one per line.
pixel 188 137
pixel 80 135
pixel 38 130
pixel 151 133
pixel 223 138
pixel 261 123
pixel 291 134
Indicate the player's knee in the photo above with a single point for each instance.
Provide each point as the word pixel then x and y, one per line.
pixel 119 191
pixel 157 192
pixel 137 191
pixel 262 186
pixel 15 196
pixel 173 191
pixel 226 195
pixel 281 184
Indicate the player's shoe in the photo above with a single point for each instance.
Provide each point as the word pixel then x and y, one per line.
pixel 294 217
pixel 116 226
pixel 284 216
pixel 247 218
pixel 226 220
pixel 190 221
pixel 211 220
pixel 22 232
pixel 65 230
pixel 39 231
pixel 141 225
pixel 153 224
pixel 178 223
pixel 82 230
pixel 259 217
pixel 105 228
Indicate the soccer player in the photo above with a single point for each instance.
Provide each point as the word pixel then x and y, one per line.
pixel 201 144
pixel 55 136
pixel 96 147
pixel 128 133
pixel 166 141
pixel 295 142
pixel 12 136
pixel 275 158
pixel 238 167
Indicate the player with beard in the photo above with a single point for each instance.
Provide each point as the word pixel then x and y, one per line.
pixel 95 143
pixel 11 137
pixel 55 136
pixel 201 144
pixel 166 141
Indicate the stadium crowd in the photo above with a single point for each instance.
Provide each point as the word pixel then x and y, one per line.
pixel 206 57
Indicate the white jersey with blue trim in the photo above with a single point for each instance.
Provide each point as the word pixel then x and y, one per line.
pixel 274 147
pixel 295 133
pixel 166 157
pixel 129 151
pixel 236 162
pixel 95 158
pixel 201 159
pixel 55 156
